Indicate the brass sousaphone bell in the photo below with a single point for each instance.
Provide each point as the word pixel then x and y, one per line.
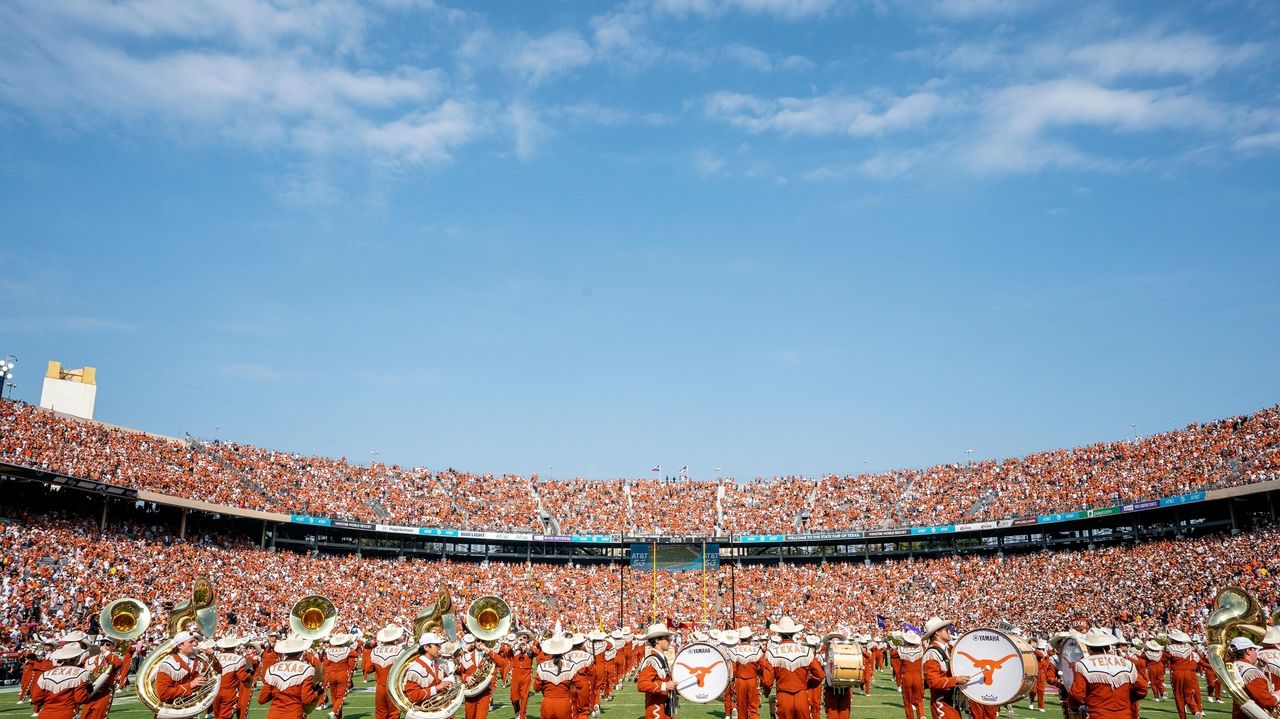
pixel 124 619
pixel 313 617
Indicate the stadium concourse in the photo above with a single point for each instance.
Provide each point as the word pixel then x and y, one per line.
pixel 1225 453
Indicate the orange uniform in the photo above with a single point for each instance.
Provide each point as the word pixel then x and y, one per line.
pixel 60 691
pixel 470 662
pixel 174 675
pixel 1268 662
pixel 245 690
pixel 99 705
pixel 1256 687
pixel 38 668
pixel 656 683
pixel 1182 661
pixel 942 686
pixel 837 700
pixel 235 671
pixel 381 659
pixel 290 687
pixel 521 677
pixel 424 678
pixel 794 670
pixel 911 679
pixel 554 679
pixel 339 663
pixel 581 683
pixel 1107 685
pixel 1155 672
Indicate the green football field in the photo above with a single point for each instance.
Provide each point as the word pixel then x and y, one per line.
pixel 884 703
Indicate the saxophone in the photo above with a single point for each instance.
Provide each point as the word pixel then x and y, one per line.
pixel 200 609
pixel 1236 613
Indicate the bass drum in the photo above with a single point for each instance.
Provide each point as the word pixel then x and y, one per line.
pixel 1003 666
pixel 700 672
pixel 843 664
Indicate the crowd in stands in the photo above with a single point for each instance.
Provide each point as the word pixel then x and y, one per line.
pixel 1227 452
pixel 58 571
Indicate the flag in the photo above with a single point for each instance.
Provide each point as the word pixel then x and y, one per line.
pixel 909 627
pixel 881 621
pixel 656 468
pixel 684 471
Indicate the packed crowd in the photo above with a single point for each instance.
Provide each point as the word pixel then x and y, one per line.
pixel 59 571
pixel 1227 452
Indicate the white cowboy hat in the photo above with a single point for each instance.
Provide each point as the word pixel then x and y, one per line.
pixel 1272 636
pixel 67 652
pixel 292 645
pixel 933 625
pixel 1153 646
pixel 448 649
pixel 338 640
pixel 555 646
pixel 786 625
pixel 1179 636
pixel 616 634
pixel 230 641
pixel 430 638
pixel 1098 638
pixel 73 636
pixel 596 635
pixel 390 634
pixel 729 638
pixel 910 637
pixel 744 632
pixel 700 636
pixel 468 638
pixel 578 638
pixel 655 631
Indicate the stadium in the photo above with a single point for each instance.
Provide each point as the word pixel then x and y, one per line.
pixel 639 359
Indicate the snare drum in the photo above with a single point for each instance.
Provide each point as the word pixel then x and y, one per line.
pixel 1002 666
pixel 843 664
pixel 700 672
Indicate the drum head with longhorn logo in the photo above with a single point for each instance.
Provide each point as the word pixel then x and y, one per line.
pixel 700 673
pixel 1002 666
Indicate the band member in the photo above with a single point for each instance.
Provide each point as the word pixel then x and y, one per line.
pixel 522 661
pixel 426 676
pixel 1244 654
pixel 504 650
pixel 938 678
pixel 911 674
pixel 793 668
pixel 725 641
pixel 554 679
pixel 748 673
pixel 581 661
pixel 837 700
pixel 597 644
pixel 235 671
pixel 1106 684
pixel 63 688
pixel 815 692
pixel 339 664
pixel 611 646
pixel 1181 659
pixel 471 660
pixel 1269 656
pixel 655 677
pixel 252 658
pixel 99 703
pixel 35 662
pixel 1155 668
pixel 1044 668
pixel 291 685
pixel 176 675
pixel 381 659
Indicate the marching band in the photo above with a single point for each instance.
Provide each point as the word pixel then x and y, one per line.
pixel 433 673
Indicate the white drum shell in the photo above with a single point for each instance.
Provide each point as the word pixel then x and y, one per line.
pixel 1009 662
pixel 700 672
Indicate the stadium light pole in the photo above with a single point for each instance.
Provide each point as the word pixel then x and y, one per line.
pixel 6 374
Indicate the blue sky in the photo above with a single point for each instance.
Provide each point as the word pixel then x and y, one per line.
pixel 586 238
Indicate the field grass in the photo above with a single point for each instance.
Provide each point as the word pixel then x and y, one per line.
pixel 884 703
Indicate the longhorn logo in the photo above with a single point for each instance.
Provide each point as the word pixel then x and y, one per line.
pixel 700 673
pixel 988 667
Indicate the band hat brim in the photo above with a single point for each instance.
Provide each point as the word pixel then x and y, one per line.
pixel 1153 646
pixel 786 625
pixel 292 645
pixel 729 639
pixel 338 640
pixel 912 638
pixel 1098 638
pixel 67 652
pixel 555 646
pixel 229 642
pixel 1179 636
pixel 596 635
pixel 1241 644
pixel 390 634
pixel 73 636
pixel 1272 635
pixel 932 626
pixel 655 631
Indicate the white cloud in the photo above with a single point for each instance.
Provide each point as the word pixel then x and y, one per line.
pixel 749 57
pixel 707 163
pixel 540 58
pixel 528 129
pixel 825 115
pixel 424 136
pixel 1020 118
pixel 973 9
pixel 1260 141
pixel 797 63
pixel 1186 54
pixel 784 9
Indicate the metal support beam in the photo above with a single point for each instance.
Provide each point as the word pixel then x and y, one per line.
pixel 182 526
pixel 106 509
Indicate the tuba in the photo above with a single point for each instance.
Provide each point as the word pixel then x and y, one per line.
pixel 444 704
pixel 123 620
pixel 488 619
pixel 313 617
pixel 1236 613
pixel 199 610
